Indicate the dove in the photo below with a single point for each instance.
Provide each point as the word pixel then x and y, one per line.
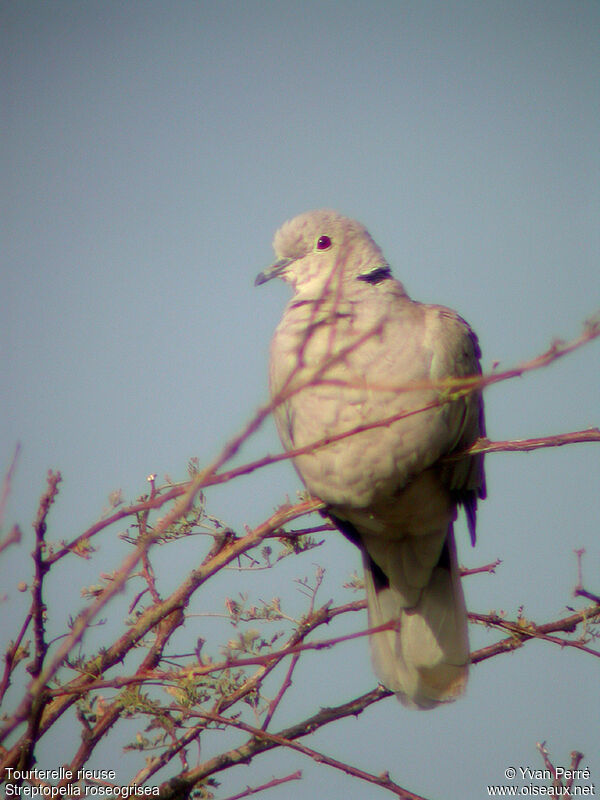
pixel 366 393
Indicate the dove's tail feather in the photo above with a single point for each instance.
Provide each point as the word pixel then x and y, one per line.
pixel 424 658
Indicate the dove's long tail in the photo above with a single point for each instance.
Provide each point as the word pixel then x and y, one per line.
pixel 424 659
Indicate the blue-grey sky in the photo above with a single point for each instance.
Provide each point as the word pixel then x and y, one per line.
pixel 149 152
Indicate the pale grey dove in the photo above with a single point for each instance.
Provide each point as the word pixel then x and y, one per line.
pixel 353 349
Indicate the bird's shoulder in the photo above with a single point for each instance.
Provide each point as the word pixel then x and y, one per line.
pixel 452 340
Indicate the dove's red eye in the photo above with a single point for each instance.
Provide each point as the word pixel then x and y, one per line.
pixel 323 243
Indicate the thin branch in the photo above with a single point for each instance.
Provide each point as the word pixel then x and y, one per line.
pixel 6 487
pixel 579 590
pixel 282 740
pixel 489 568
pixel 122 513
pixel 522 633
pixel 38 609
pixel 450 389
pixel 576 759
pixel 557 782
pixel 12 537
pixel 37 702
pixel 267 663
pixel 484 445
pixel 323 616
pixel 179 598
pixel 10 655
pixel 164 630
pixel 85 618
pixel 40 707
pixel 177 787
pixel 287 682
pixel 295 776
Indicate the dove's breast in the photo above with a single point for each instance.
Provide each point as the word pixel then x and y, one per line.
pixel 363 381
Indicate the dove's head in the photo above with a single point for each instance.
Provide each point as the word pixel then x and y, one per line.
pixel 321 250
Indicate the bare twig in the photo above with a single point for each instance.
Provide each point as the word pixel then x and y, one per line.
pixel 84 619
pixel 164 630
pixel 41 707
pixel 38 608
pixel 282 740
pixel 176 787
pixel 579 590
pixel 520 633
pixel 295 776
pixel 484 445
pixel 489 568
pixel 576 759
pixel 12 537
pixel 115 653
pixel 450 389
pixel 37 702
pixel 127 511
pixel 563 787
pixel 10 655
pixel 287 682
pixel 6 485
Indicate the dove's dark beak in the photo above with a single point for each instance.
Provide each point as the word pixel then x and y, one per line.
pixel 273 271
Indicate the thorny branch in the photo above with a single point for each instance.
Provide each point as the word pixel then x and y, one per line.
pixel 450 389
pixel 155 613
pixel 521 630
pixel 286 739
pixel 226 681
pixel 295 776
pixel 210 476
